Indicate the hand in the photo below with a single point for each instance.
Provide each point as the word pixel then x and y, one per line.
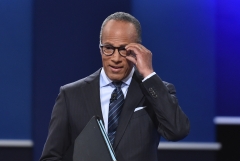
pixel 141 57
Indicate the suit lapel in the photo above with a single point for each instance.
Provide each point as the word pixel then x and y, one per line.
pixel 92 97
pixel 92 94
pixel 134 96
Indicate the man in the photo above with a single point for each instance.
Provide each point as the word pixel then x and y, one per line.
pixel 137 107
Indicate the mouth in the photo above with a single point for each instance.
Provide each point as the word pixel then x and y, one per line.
pixel 115 69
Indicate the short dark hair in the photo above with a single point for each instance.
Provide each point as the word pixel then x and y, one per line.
pixel 126 17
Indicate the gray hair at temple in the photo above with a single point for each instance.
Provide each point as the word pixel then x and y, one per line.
pixel 122 16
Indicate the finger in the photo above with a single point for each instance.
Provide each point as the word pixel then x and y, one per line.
pixel 133 45
pixel 133 50
pixel 137 49
pixel 132 59
pixel 136 45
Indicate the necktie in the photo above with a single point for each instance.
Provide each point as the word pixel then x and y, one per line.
pixel 115 108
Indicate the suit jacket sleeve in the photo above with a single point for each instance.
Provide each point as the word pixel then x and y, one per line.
pixel 172 123
pixel 58 136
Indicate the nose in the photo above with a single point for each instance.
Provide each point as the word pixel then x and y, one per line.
pixel 116 57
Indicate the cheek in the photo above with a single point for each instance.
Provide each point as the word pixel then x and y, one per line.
pixel 127 68
pixel 129 64
pixel 104 61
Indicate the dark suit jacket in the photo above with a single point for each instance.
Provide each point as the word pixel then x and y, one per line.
pixel 138 133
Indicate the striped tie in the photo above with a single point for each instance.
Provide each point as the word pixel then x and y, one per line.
pixel 115 108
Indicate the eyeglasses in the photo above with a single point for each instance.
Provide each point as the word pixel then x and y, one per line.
pixel 108 50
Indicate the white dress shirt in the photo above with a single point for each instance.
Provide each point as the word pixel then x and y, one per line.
pixel 106 89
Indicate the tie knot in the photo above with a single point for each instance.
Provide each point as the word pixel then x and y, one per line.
pixel 117 84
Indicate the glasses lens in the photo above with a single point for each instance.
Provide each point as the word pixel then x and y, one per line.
pixel 123 52
pixel 108 50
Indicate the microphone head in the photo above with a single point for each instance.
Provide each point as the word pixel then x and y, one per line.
pixel 113 97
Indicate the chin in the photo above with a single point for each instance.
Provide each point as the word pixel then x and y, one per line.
pixel 116 78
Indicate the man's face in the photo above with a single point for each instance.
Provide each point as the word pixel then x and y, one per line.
pixel 117 33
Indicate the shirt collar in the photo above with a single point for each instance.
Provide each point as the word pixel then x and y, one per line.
pixel 105 81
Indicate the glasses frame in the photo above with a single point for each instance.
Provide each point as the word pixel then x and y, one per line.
pixel 120 47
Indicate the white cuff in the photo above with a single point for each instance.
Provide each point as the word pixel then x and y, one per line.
pixel 149 76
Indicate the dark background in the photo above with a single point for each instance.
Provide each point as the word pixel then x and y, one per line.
pixel 46 44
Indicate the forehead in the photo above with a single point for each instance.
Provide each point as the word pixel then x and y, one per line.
pixel 119 31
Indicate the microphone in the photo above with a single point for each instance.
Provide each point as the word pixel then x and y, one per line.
pixel 113 97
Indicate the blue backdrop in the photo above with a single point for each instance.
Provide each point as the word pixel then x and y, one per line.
pixel 15 69
pixel 228 57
